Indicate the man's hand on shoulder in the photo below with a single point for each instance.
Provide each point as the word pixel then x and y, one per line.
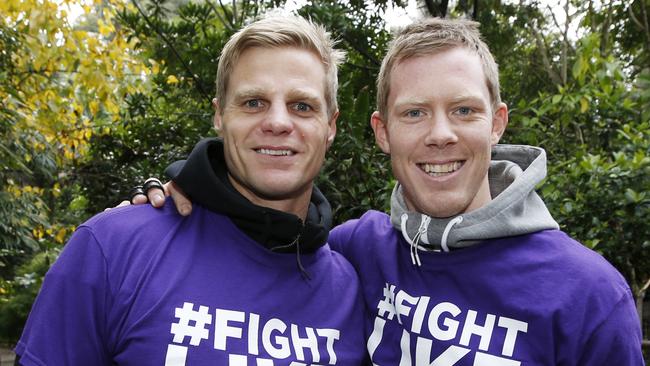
pixel 154 192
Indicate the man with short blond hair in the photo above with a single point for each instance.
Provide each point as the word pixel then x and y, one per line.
pixel 248 279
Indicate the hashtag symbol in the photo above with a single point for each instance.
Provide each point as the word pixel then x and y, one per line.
pixel 196 331
pixel 386 306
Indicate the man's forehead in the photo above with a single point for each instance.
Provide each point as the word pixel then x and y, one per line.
pixel 295 66
pixel 415 78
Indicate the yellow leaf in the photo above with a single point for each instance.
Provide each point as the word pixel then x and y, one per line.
pixel 37 232
pixel 56 190
pixel 92 44
pixel 584 105
pixel 88 134
pixel 94 107
pixel 111 107
pixel 104 29
pixel 60 236
pixel 171 79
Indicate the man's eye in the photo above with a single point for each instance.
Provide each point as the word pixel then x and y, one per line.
pixel 465 111
pixel 302 107
pixel 253 103
pixel 415 113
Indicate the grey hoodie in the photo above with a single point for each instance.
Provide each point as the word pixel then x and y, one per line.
pixel 515 209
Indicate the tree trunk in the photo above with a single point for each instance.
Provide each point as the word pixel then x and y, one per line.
pixel 437 8
pixel 640 297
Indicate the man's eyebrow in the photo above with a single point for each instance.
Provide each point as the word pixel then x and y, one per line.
pixel 410 102
pixel 468 98
pixel 305 95
pixel 248 93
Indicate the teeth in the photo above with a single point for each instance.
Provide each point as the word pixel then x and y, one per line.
pixel 275 152
pixel 437 170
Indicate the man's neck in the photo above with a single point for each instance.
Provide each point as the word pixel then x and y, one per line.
pixel 295 205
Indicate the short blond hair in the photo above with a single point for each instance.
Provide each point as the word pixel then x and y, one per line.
pixel 282 30
pixel 430 36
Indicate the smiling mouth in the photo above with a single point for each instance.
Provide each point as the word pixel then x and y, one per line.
pixel 438 170
pixel 274 152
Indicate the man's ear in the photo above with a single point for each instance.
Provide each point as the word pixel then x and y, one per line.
pixel 216 120
pixel 499 122
pixel 332 129
pixel 381 131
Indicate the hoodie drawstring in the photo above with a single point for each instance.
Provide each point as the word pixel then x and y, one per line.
pixel 415 257
pixel 302 269
pixel 422 230
pixel 445 234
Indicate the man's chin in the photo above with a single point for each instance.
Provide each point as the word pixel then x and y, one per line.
pixel 282 191
pixel 438 205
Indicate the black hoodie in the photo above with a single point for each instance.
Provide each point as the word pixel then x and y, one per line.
pixel 203 177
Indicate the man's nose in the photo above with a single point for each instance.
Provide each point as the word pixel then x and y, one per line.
pixel 278 120
pixel 441 131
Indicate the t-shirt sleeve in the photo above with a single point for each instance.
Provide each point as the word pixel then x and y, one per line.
pixel 67 323
pixel 617 341
pixel 340 237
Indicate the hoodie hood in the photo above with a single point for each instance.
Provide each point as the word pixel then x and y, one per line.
pixel 204 178
pixel 515 208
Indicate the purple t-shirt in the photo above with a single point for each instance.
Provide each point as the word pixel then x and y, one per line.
pixel 537 299
pixel 140 286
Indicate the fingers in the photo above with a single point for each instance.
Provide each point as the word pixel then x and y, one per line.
pixel 136 196
pixel 183 204
pixel 136 200
pixel 155 192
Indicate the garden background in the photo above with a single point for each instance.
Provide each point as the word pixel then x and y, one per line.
pixel 98 95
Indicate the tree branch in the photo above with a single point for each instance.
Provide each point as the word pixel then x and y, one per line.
pixel 216 12
pixel 642 25
pixel 197 82
pixel 604 32
pixel 228 16
pixel 543 51
pixel 360 50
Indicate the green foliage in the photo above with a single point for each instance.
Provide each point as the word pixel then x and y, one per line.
pixel 60 85
pixel 17 295
pixel 596 130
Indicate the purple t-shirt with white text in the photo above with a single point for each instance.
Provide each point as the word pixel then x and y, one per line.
pixel 536 299
pixel 140 286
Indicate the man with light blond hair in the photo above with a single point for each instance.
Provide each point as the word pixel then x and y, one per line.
pixel 248 278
